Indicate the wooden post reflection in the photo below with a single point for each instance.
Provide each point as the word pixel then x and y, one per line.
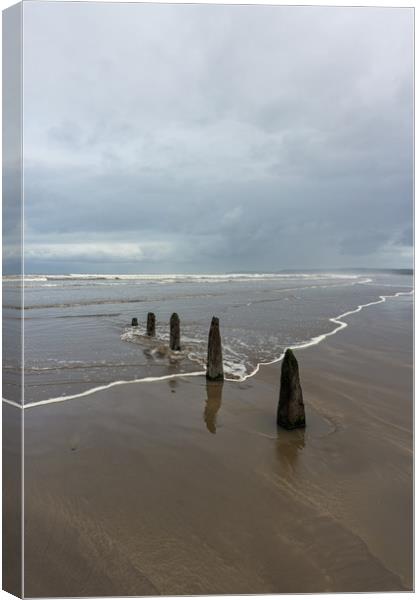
pixel 213 404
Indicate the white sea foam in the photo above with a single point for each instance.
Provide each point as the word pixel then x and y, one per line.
pixel 105 387
pixel 319 338
pixel 237 370
pixel 175 278
pixel 12 403
pixel 216 277
pixel 19 278
pixel 240 375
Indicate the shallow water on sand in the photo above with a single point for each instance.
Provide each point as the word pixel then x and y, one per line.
pixel 78 334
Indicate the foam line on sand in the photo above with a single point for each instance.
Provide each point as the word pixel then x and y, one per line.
pixel 312 342
pixel 319 338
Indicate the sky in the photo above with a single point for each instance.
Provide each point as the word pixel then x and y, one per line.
pixel 182 138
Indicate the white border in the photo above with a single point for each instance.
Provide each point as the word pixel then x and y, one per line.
pixel 385 3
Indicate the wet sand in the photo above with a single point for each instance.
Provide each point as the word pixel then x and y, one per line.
pixel 178 487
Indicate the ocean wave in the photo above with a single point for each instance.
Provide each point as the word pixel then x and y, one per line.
pixel 172 278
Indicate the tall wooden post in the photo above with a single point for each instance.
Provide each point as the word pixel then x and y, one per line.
pixel 151 324
pixel 214 353
pixel 175 335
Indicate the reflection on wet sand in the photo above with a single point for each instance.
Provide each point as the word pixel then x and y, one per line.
pixel 289 446
pixel 257 510
pixel 213 404
pixel 173 383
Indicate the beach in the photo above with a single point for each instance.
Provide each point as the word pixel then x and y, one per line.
pixel 181 487
pixel 207 299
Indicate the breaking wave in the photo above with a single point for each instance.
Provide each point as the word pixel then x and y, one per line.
pixel 174 278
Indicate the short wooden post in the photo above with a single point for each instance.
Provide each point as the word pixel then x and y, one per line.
pixel 291 410
pixel 134 322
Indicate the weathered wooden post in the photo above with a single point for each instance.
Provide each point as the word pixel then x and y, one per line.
pixel 214 353
pixel 134 322
pixel 151 324
pixel 291 410
pixel 175 336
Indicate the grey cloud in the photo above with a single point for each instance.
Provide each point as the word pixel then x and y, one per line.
pixel 229 133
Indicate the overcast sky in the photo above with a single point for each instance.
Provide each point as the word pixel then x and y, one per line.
pixel 165 138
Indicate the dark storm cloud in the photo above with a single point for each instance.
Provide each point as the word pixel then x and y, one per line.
pixel 176 137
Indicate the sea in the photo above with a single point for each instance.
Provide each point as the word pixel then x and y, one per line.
pixel 78 335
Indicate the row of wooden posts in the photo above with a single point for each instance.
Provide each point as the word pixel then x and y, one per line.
pixel 290 409
pixel 174 329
